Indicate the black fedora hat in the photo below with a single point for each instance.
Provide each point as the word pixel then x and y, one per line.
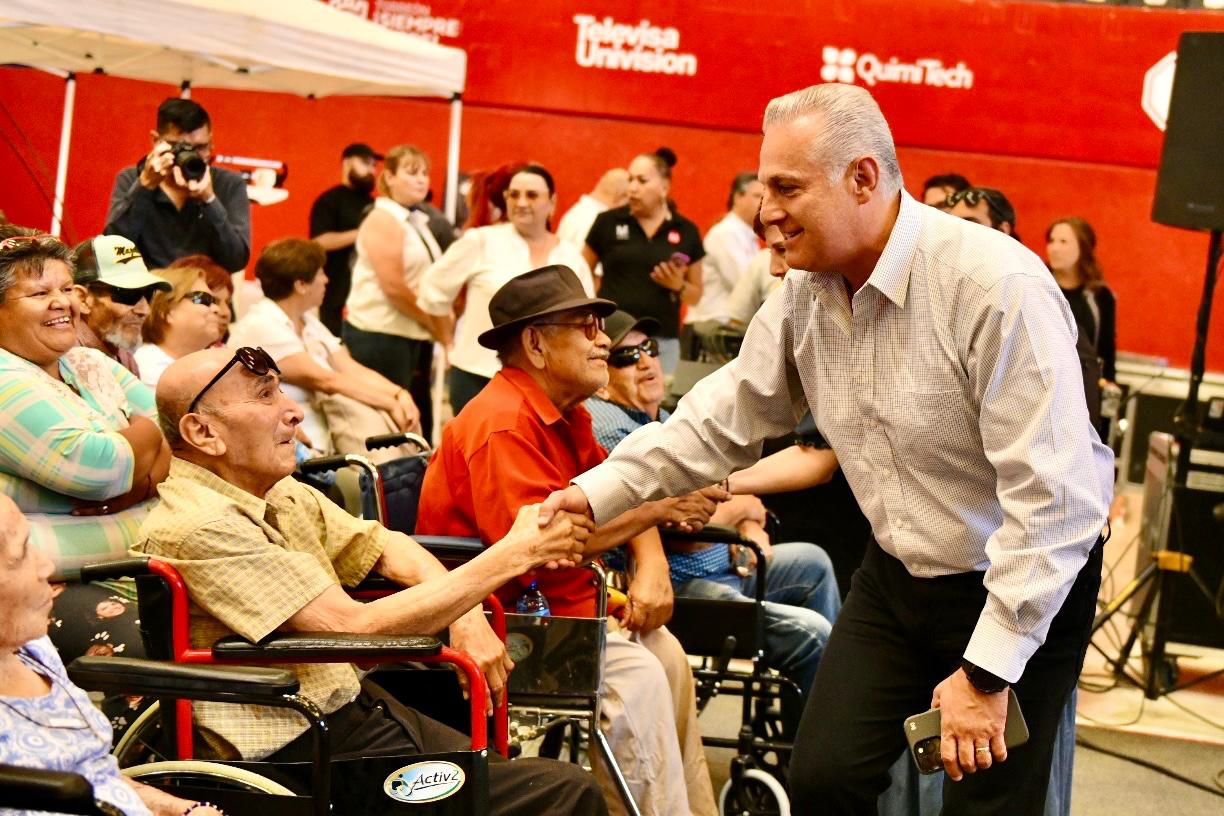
pixel 543 291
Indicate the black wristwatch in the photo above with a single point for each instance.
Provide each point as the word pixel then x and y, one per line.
pixel 983 680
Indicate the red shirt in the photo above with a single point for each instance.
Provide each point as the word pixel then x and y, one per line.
pixel 508 447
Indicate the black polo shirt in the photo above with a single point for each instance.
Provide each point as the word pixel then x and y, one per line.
pixel 339 209
pixel 628 256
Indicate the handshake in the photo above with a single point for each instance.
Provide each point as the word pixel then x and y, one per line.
pixel 556 542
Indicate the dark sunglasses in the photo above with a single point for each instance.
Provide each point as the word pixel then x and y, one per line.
pixel 255 360
pixel 201 298
pixel 591 327
pixel 125 297
pixel 629 355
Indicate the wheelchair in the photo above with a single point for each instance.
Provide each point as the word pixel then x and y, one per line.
pixel 719 631
pixel 155 747
pixel 23 788
pixel 554 690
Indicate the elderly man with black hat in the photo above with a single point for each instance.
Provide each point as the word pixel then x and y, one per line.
pixel 113 289
pixel 527 433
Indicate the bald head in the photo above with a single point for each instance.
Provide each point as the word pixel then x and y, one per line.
pixel 180 383
pixel 613 187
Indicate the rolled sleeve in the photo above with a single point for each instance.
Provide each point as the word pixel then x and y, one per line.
pixel 1053 479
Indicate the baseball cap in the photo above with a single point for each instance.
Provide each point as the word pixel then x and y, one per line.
pixel 620 323
pixel 363 150
pixel 114 261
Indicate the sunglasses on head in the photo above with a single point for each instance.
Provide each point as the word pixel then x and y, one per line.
pixel 205 299
pixel 16 240
pixel 124 297
pixel 255 360
pixel 973 196
pixel 629 355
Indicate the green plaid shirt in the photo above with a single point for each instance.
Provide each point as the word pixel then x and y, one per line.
pixel 59 444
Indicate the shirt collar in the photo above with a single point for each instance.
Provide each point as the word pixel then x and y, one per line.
pixel 533 394
pixel 252 504
pixel 892 272
pixel 639 417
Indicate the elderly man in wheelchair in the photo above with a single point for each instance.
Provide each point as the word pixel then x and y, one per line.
pixel 261 553
pixel 527 433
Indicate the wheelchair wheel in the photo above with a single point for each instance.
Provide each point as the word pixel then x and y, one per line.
pixel 199 774
pixel 755 794
pixel 142 742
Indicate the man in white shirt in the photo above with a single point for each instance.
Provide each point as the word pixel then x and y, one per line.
pixel 611 191
pixel 730 246
pixel 938 359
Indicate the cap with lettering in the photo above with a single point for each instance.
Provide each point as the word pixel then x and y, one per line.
pixel 114 261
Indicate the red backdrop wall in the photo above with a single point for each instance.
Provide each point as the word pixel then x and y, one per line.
pixel 1156 271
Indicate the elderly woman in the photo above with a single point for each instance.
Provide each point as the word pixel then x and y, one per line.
pixel 187 318
pixel 384 327
pixel 651 255
pixel 219 281
pixel 484 259
pixel 48 723
pixel 77 430
pixel 343 401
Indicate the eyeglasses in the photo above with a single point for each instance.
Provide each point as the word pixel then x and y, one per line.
pixel 591 327
pixel 629 355
pixel 9 243
pixel 255 360
pixel 124 297
pixel 201 298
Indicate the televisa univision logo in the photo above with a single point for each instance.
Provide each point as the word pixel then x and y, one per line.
pixel 846 64
pixel 645 48
pixel 424 781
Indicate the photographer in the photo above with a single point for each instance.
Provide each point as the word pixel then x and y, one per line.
pixel 172 203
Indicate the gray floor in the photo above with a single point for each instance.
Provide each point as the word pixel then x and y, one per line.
pixel 1104 786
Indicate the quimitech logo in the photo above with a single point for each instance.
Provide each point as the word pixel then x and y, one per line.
pixel 845 65
pixel 645 48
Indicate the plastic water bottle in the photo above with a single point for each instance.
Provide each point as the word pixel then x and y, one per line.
pixel 533 602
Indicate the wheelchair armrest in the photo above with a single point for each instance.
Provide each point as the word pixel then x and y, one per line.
pixel 711 533
pixel 153 678
pixel 323 464
pixel 308 647
pixel 392 440
pixel 36 789
pixel 451 548
pixel 123 568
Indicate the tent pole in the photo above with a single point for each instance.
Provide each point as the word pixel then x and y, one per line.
pixel 61 169
pixel 185 89
pixel 452 158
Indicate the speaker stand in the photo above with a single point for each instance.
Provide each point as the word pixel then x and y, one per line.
pixel 1168 566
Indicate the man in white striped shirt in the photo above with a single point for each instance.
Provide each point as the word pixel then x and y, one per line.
pixel 939 361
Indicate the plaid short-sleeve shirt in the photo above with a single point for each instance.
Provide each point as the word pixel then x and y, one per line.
pixel 250 564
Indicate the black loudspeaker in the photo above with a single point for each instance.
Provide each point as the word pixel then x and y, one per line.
pixel 1190 184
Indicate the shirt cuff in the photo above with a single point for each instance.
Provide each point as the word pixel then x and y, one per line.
pixel 998 649
pixel 604 492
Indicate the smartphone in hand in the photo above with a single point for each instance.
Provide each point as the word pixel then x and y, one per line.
pixel 922 733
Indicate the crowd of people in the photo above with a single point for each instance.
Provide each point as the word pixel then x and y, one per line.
pixel 139 416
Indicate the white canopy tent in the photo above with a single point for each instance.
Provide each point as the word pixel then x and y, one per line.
pixel 303 47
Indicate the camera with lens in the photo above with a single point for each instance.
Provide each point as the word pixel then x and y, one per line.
pixel 188 160
pixel 927 755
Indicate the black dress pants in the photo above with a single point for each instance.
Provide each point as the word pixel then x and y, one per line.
pixel 378 724
pixel 401 360
pixel 895 639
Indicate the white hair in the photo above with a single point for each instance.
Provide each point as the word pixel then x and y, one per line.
pixel 853 126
